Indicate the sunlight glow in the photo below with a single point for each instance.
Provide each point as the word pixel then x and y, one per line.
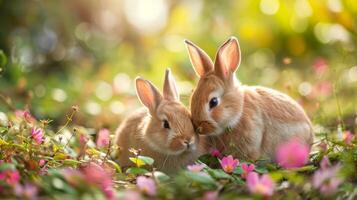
pixel 303 8
pixel 269 7
pixel 352 74
pixel 305 88
pixel 335 5
pixel 93 108
pixel 104 91
pixel 59 95
pixel 148 16
pixel 326 33
pixel 117 107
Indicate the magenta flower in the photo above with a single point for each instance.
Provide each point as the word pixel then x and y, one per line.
pixel 292 154
pixel 37 135
pixel 195 167
pixel 348 137
pixel 263 185
pixel 97 175
pixel 215 153
pixel 229 164
pixel 10 176
pixel 327 180
pixel 210 195
pixel 247 168
pixel 103 138
pixel 27 191
pixel 146 185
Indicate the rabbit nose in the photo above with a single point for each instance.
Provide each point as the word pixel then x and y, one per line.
pixel 189 143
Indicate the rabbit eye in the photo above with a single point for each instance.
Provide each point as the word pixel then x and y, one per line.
pixel 213 102
pixel 166 124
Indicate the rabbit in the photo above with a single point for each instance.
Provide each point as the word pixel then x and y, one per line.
pixel 246 121
pixel 163 129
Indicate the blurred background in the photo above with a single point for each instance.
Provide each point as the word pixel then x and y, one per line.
pixel 56 54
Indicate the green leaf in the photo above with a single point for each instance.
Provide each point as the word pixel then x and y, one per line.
pixel 162 177
pixel 3 130
pixel 141 160
pixel 60 156
pixel 5 166
pixel 261 170
pixel 219 174
pixel 277 176
pixel 116 166
pixel 209 160
pixel 238 180
pixel 238 170
pixel 138 162
pixel 71 162
pixel 3 59
pixel 200 178
pixel 136 170
pixel 147 160
pixel 3 142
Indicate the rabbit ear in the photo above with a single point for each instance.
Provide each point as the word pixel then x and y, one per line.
pixel 170 89
pixel 148 94
pixel 227 58
pixel 201 62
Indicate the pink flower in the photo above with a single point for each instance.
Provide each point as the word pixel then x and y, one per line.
pixel 325 163
pixel 72 176
pixel 263 185
pixel 292 154
pixel 323 88
pixel 247 168
pixel 131 195
pixel 146 185
pixel 229 164
pixel 83 139
pixel 348 137
pixel 210 195
pixel 25 114
pixel 37 135
pixel 320 66
pixel 196 167
pixel 41 163
pixel 97 175
pixel 10 176
pixel 327 180
pixel 28 191
pixel 103 138
pixel 215 153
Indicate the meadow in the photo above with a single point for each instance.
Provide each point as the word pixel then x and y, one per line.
pixel 67 72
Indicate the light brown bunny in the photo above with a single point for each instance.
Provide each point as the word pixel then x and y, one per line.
pixel 246 121
pixel 162 130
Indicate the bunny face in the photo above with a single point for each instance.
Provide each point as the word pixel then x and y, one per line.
pixel 168 128
pixel 215 105
pixel 217 102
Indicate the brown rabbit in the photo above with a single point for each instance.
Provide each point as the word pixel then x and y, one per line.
pixel 163 130
pixel 246 121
